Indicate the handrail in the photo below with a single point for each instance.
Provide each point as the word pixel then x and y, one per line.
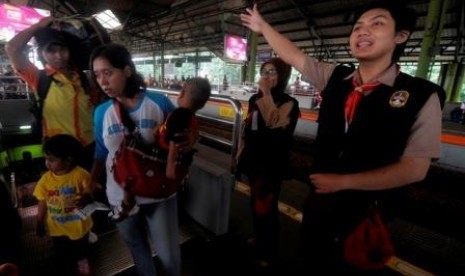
pixel 237 122
pixel 13 88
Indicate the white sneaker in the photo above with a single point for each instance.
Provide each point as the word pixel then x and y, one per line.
pixel 93 238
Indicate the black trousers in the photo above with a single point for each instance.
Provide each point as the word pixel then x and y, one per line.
pixel 68 252
pixel 266 188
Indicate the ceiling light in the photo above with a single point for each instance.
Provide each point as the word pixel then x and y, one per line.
pixel 108 20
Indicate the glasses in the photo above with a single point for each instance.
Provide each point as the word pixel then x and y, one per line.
pixel 270 73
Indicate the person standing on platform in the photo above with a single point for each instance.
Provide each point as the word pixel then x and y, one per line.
pixel 297 86
pixel 58 191
pixel 193 96
pixel 378 128
pixel 268 134
pixel 68 107
pixel 155 220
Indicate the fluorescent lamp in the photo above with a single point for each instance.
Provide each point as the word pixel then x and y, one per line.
pixel 25 127
pixel 108 20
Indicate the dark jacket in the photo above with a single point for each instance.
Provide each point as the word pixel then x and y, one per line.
pixel 376 137
pixel 267 149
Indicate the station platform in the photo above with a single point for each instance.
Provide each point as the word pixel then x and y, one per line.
pixel 429 237
pixel 420 251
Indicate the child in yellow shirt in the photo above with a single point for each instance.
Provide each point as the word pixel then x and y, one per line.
pixel 57 191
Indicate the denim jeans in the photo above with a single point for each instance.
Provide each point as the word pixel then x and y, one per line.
pixel 159 221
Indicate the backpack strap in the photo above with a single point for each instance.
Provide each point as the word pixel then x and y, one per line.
pixel 37 104
pixel 42 90
pixel 84 81
pixel 44 84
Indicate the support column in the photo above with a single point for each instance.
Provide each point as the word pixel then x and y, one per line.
pixel 162 60
pixel 196 64
pixel 455 96
pixel 449 79
pixel 252 57
pixel 154 67
pixel 433 28
pixel 442 74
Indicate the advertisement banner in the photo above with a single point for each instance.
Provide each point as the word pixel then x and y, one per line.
pixel 14 19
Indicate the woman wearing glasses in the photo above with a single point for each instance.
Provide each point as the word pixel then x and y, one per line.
pixel 268 134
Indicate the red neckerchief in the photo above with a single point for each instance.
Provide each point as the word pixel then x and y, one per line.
pixel 355 96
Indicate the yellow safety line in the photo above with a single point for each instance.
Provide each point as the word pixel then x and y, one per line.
pixel 395 263
pixel 406 268
pixel 288 210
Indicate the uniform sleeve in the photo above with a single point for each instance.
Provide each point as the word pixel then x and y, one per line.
pixel 317 73
pixel 84 183
pixel 39 191
pixel 425 136
pixel 30 75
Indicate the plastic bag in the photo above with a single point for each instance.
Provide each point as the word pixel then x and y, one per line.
pixel 369 245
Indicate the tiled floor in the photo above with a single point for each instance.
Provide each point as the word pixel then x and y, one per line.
pixel 109 255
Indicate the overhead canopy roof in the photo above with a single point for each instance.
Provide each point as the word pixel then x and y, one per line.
pixel 319 27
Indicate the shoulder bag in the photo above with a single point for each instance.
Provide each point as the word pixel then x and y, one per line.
pixel 140 168
pixel 369 245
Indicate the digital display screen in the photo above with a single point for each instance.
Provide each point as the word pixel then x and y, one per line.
pixel 14 19
pixel 235 47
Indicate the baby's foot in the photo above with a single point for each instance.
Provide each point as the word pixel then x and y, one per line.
pixel 123 211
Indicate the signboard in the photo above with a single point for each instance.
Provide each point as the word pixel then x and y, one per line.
pixel 235 48
pixel 14 19
pixel 264 55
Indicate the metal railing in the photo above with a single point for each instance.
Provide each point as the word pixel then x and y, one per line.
pixel 13 88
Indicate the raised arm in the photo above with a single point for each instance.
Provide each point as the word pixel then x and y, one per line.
pixel 274 116
pixel 15 47
pixel 285 49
